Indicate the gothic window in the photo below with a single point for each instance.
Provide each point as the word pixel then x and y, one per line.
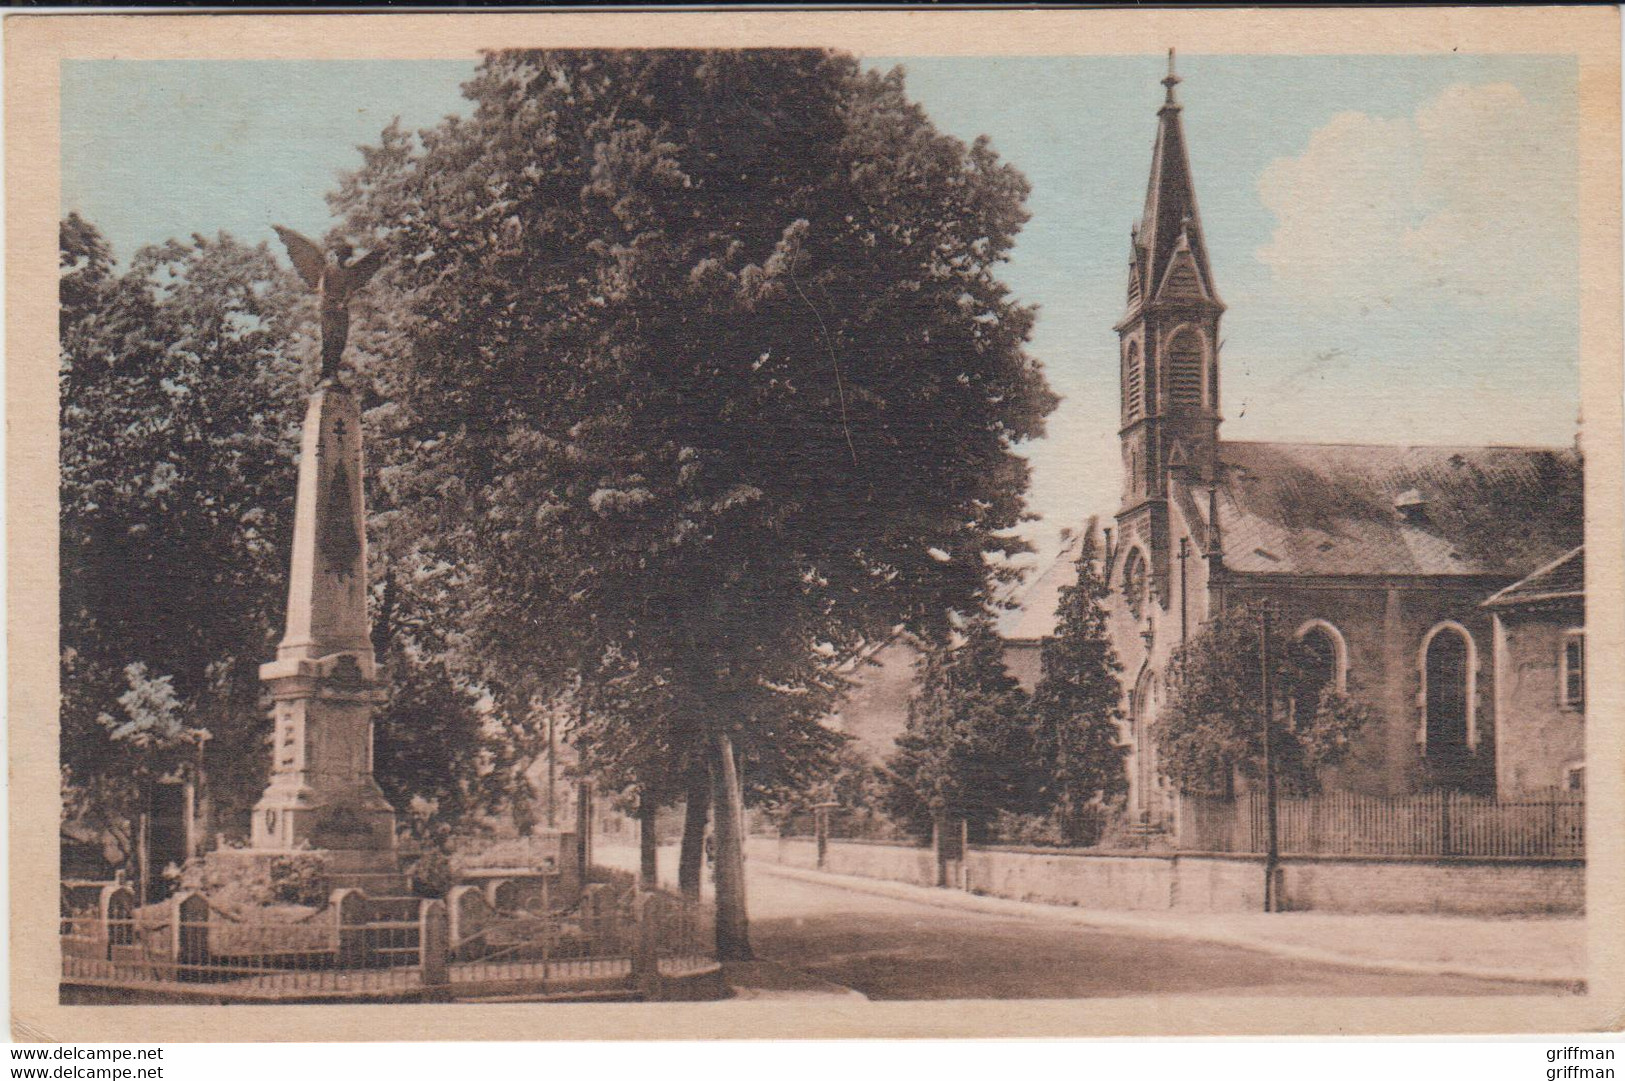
pixel 1447 679
pixel 1318 663
pixel 1133 384
pixel 1185 368
pixel 1134 582
pixel 1572 670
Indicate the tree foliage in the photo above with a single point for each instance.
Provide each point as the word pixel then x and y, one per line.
pixel 181 398
pixel 1076 705
pixel 437 747
pixel 1211 728
pixel 701 364
pixel 967 751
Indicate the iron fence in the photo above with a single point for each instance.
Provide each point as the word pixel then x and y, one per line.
pixel 1549 823
pixel 204 949
pixel 615 939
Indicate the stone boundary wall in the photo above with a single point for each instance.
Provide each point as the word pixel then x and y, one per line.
pixel 1217 882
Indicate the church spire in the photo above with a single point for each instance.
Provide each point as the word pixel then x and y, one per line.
pixel 1170 81
pixel 1171 225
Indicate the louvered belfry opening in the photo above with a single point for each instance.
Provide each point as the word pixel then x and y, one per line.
pixel 1133 385
pixel 1185 369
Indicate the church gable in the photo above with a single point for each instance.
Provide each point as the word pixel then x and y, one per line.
pixel 1182 282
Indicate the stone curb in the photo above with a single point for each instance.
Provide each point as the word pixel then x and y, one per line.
pixel 942 898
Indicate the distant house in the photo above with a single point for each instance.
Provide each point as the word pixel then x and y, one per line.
pixel 874 711
pixel 1540 678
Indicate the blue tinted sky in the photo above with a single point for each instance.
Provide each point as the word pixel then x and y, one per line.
pixel 1395 236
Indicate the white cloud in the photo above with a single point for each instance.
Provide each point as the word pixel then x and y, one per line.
pixel 1469 202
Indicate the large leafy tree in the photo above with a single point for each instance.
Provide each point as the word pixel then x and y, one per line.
pixel 181 397
pixel 1076 705
pixel 967 751
pixel 701 360
pixel 1211 728
pixel 439 752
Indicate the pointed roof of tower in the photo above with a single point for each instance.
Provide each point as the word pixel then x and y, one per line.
pixel 1171 220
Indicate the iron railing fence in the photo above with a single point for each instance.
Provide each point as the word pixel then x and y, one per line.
pixel 205 949
pixel 616 938
pixel 1549 823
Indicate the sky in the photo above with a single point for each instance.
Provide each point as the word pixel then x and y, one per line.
pixel 1395 237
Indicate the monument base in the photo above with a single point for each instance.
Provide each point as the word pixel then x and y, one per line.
pixel 378 874
pixel 292 817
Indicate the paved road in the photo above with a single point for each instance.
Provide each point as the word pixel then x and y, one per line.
pixel 895 949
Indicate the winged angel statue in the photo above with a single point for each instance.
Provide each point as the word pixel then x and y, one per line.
pixel 335 279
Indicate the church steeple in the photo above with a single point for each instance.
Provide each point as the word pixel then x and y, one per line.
pixel 1169 340
pixel 1171 222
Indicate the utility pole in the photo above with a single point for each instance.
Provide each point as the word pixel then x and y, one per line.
pixel 1272 856
pixel 1184 608
pixel 552 771
pixel 197 822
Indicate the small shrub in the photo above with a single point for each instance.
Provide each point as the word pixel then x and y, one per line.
pixel 299 879
pixel 1119 831
pixel 532 852
pixel 254 888
pixel 431 874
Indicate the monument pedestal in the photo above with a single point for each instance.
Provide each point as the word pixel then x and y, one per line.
pixel 322 793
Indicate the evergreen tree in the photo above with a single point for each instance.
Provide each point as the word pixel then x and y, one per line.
pixel 967 750
pixel 1076 706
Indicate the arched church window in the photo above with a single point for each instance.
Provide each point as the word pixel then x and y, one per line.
pixel 1317 664
pixel 1447 704
pixel 1134 582
pixel 1185 368
pixel 1133 383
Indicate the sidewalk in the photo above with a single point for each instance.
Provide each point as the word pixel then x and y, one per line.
pixel 759 980
pixel 1545 950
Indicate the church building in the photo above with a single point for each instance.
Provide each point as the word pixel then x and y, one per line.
pixel 1383 560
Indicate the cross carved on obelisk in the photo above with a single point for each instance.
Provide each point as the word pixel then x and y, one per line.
pixel 336 277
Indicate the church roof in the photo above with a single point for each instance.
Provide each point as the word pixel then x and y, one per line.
pixel 1035 618
pixel 1351 509
pixel 1562 579
pixel 1370 509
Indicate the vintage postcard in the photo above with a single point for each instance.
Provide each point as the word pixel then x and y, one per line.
pixel 814 524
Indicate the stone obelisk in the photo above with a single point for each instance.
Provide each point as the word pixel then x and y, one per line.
pixel 325 681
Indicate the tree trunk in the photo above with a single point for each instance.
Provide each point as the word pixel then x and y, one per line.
pixel 648 845
pixel 691 860
pixel 733 924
